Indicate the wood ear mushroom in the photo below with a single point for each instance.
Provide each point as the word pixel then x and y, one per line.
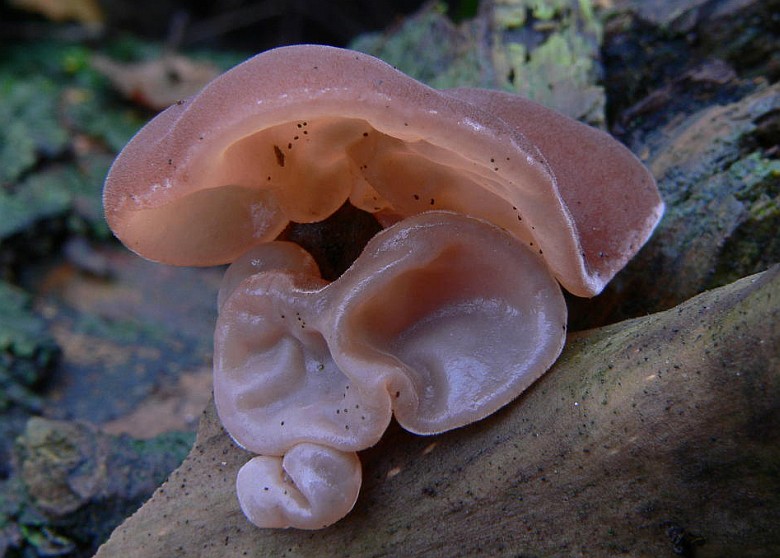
pixel 490 201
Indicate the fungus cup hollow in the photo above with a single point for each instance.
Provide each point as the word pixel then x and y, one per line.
pixel 490 201
pixel 298 359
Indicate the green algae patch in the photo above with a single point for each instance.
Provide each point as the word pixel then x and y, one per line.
pixel 429 48
pixel 77 484
pixel 722 199
pixel 27 351
pixel 44 195
pixel 755 244
pixel 28 110
pixel 548 51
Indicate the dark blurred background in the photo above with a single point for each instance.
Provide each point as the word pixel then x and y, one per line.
pixel 247 25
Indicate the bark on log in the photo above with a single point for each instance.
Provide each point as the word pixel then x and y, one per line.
pixel 651 437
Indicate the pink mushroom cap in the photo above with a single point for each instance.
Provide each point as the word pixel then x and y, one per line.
pixel 292 133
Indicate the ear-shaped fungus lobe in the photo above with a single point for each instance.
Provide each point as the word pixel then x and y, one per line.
pixel 453 316
pixel 228 169
pixel 311 487
pixel 443 319
pixel 275 256
pixel 275 380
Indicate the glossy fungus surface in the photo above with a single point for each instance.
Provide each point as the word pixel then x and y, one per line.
pixel 428 324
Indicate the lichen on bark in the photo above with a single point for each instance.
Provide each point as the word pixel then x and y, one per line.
pixel 547 51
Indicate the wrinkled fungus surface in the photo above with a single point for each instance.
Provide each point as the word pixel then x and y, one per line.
pixel 489 201
pixel 301 361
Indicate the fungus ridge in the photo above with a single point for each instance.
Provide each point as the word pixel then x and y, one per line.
pixel 231 167
pixel 603 185
pixel 311 487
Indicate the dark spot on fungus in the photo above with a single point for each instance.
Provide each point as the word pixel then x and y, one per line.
pixel 279 156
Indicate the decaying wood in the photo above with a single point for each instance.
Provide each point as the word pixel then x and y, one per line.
pixel 649 437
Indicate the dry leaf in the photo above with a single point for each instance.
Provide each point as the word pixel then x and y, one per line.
pixel 87 12
pixel 157 83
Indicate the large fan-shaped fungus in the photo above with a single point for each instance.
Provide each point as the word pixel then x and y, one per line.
pixel 444 318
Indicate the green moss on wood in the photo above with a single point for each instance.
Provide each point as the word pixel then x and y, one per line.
pixel 27 351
